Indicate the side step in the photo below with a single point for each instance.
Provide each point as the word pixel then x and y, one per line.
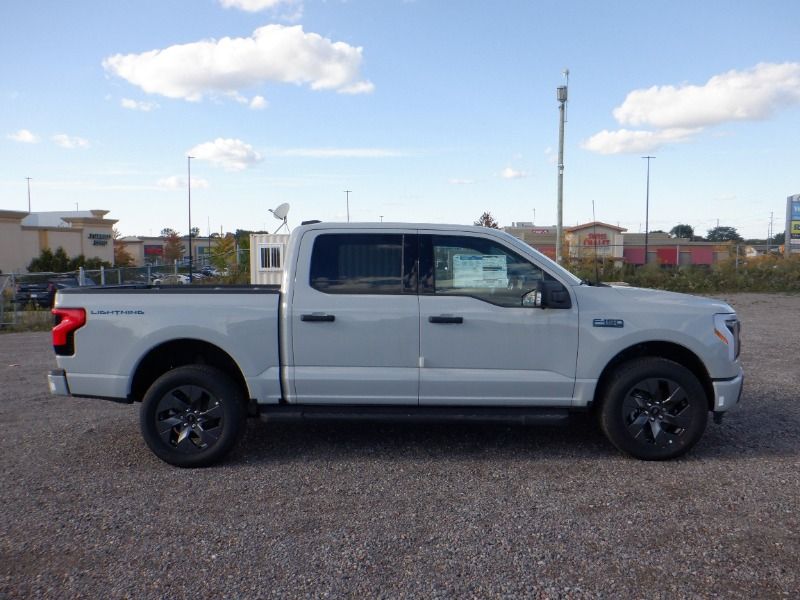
pixel 415 414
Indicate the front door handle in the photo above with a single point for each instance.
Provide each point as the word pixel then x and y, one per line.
pixel 445 319
pixel 318 318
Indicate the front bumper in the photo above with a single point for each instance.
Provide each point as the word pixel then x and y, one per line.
pixel 57 382
pixel 728 392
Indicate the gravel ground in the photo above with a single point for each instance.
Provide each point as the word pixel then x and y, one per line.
pixel 393 511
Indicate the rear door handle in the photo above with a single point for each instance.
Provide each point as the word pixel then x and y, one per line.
pixel 317 318
pixel 445 319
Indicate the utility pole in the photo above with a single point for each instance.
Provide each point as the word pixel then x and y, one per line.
pixel 189 187
pixel 29 194
pixel 769 234
pixel 647 209
pixel 347 192
pixel 561 95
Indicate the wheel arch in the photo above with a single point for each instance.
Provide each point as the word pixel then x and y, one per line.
pixel 178 353
pixel 658 349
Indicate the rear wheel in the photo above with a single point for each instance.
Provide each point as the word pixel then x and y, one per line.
pixel 192 416
pixel 654 409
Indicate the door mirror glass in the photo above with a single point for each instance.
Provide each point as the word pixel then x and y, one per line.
pixel 532 299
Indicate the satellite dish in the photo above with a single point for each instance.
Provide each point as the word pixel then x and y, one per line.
pixel 280 213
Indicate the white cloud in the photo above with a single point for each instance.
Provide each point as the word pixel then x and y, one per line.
pixel 341 152
pixel 178 183
pixel 273 53
pixel 753 94
pixel 677 113
pixel 624 141
pixel 70 142
pixel 258 103
pixel 455 181
pixel 138 105
pixel 509 173
pixel 253 5
pixel 24 136
pixel 233 155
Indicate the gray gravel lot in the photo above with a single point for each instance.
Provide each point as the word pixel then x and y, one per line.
pixel 403 510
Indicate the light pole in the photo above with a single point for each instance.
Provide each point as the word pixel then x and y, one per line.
pixel 647 208
pixel 29 194
pixel 561 95
pixel 189 186
pixel 347 192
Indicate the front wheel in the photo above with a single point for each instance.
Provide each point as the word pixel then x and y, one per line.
pixel 192 416
pixel 654 409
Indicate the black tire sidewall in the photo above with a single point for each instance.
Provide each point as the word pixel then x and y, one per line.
pixel 221 387
pixel 611 413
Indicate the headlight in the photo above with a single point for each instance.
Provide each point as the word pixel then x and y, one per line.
pixel 728 328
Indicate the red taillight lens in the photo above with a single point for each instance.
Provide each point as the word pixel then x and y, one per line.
pixel 67 321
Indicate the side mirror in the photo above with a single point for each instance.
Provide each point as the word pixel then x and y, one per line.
pixel 547 294
pixel 533 299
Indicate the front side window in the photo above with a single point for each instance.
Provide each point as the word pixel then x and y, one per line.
pixel 368 263
pixel 481 268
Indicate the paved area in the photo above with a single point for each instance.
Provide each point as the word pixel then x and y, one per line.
pixel 353 510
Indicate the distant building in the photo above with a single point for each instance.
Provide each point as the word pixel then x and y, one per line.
pixel 24 235
pixel 149 250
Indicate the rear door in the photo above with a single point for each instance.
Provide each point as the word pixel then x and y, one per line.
pixel 478 344
pixel 354 318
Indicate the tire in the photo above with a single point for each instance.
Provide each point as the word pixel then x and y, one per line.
pixel 653 409
pixel 192 416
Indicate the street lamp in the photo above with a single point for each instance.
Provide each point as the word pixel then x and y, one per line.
pixel 647 208
pixel 348 204
pixel 189 186
pixel 561 95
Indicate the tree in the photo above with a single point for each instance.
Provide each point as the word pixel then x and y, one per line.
pixel 779 238
pixel 487 220
pixel 723 234
pixel 122 258
pixel 223 252
pixel 173 246
pixel 195 232
pixel 42 263
pixel 682 231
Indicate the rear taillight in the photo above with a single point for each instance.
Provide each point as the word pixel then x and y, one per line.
pixel 67 321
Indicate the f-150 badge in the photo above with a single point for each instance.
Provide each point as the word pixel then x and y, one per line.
pixel 608 323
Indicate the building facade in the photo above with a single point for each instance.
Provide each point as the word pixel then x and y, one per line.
pixel 24 235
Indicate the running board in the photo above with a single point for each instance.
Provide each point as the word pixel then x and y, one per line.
pixel 415 414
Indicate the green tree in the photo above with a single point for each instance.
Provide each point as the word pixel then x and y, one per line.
pixel 60 261
pixel 223 251
pixel 487 220
pixel 173 245
pixel 723 234
pixel 42 263
pixel 779 238
pixel 682 231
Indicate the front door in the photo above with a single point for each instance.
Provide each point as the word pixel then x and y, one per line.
pixel 478 344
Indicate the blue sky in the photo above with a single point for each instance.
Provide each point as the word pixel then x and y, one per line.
pixel 427 110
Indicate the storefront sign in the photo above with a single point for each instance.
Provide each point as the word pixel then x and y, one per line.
pixel 99 239
pixel 793 224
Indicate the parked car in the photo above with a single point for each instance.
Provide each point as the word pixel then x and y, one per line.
pixel 402 321
pixel 42 294
pixel 174 279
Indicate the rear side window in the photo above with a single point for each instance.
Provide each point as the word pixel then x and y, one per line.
pixel 363 264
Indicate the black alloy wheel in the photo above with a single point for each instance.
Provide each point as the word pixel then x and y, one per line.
pixel 654 409
pixel 192 416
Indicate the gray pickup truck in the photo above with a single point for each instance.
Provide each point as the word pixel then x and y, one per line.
pixel 401 321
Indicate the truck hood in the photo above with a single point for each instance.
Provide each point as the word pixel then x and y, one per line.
pixel 670 300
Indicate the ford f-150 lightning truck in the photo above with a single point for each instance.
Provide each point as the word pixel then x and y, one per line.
pixel 401 321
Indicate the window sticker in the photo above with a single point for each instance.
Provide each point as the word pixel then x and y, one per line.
pixel 479 271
